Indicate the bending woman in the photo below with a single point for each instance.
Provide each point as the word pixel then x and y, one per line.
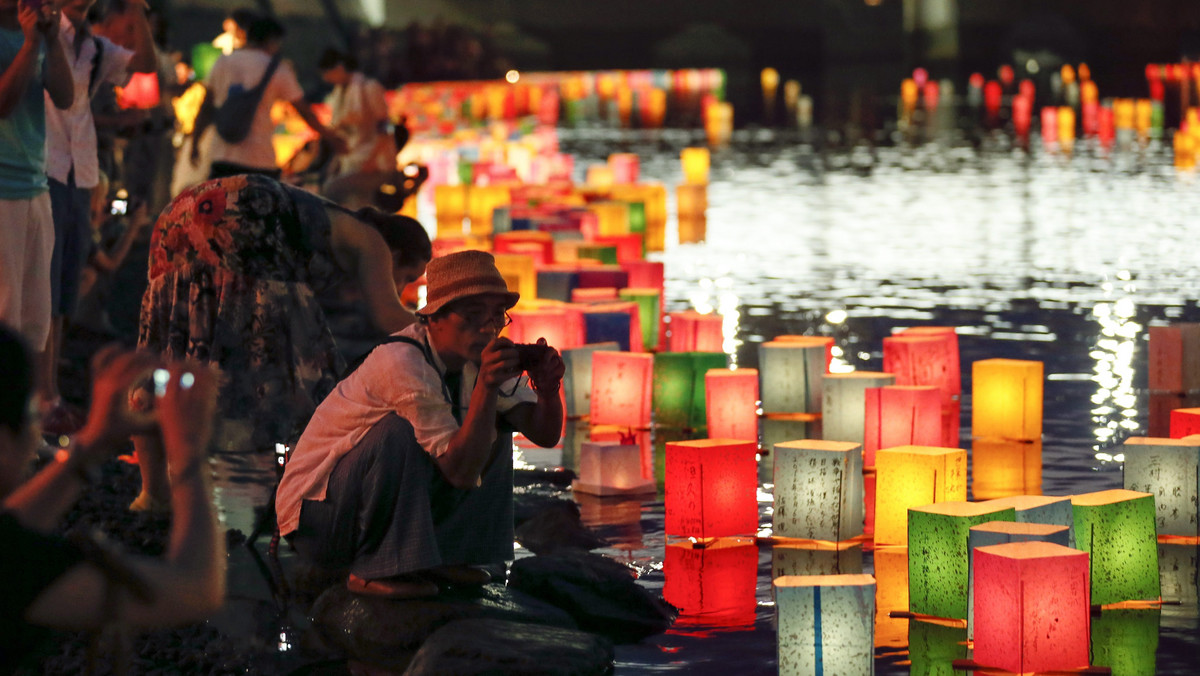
pixel 235 266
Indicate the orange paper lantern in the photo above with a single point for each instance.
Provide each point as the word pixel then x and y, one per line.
pixel 1007 399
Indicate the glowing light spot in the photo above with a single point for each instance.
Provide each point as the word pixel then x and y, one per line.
pixel 512 76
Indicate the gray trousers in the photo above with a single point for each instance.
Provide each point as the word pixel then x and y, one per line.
pixel 388 510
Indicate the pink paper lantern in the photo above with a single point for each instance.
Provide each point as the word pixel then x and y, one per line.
pixel 690 331
pixel 926 356
pixel 711 487
pixel 900 416
pixel 553 324
pixel 621 389
pixel 1032 607
pixel 731 401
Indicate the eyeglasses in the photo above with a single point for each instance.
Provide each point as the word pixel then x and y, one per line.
pixel 477 319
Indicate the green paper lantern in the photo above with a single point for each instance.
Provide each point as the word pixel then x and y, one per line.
pixel 648 305
pixel 1116 528
pixel 938 536
pixel 605 253
pixel 1126 640
pixel 933 647
pixel 204 55
pixel 637 217
pixel 678 398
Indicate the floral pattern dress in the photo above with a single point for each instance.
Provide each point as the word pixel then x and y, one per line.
pixel 235 267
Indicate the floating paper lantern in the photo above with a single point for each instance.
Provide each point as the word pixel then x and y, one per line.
pixel 599 253
pixel 518 273
pixel 624 167
pixel 1003 467
pixel 823 341
pixel 816 558
pixel 1161 409
pixel 1170 470
pixel 612 218
pixel 482 201
pixel 1043 509
pixel 844 406
pixel 790 377
pixel 711 487
pixel 891 574
pixel 611 468
pixel 1007 399
pixel 925 356
pixel 648 302
pixel 450 205
pixel 556 284
pixel 141 92
pixel 1117 528
pixel 618 321
pixel 1126 640
pixel 1179 571
pixel 938 578
pixel 901 416
pixel 712 586
pixel 1032 607
pixel 600 175
pixel 1175 357
pixel 553 324
pixel 912 476
pixel 621 388
pixel 538 245
pixel 1185 422
pixel 818 490
pixel 625 247
pixel 731 402
pixel 934 645
pixel 824 624
pixel 1001 532
pixel 691 331
pixel 679 379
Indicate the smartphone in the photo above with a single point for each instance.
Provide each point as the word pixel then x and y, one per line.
pixel 119 207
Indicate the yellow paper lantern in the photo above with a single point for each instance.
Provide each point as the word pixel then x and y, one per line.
pixel 1003 467
pixel 519 274
pixel 1007 399
pixel 695 165
pixel 913 476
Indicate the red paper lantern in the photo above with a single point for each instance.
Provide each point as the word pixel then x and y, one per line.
pixel 1006 74
pixel 925 355
pixel 141 92
pixel 1032 605
pixel 900 415
pixel 553 324
pixel 1050 124
pixel 621 389
pixel 1175 357
pixel 731 399
pixel 711 487
pixel 538 245
pixel 1022 114
pixel 691 331
pixel 992 96
pixel 712 585
pixel 1184 422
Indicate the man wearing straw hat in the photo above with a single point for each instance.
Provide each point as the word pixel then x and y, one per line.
pixel 404 473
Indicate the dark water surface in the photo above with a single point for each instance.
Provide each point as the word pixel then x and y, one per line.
pixel 1032 254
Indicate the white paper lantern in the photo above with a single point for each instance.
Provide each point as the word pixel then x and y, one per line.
pixel 1170 469
pixel 612 468
pixel 825 624
pixel 577 380
pixel 791 375
pixel 818 490
pixel 844 403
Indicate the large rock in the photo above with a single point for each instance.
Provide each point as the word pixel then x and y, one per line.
pixel 600 593
pixel 483 646
pixel 554 527
pixel 385 631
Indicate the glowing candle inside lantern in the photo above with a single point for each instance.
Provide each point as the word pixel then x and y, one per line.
pixel 912 476
pixel 938 578
pixel 1117 528
pixel 711 488
pixel 844 406
pixel 1170 470
pixel 731 402
pixel 824 624
pixel 621 388
pixel 829 470
pixel 901 416
pixel 815 558
pixel 679 378
pixel 791 376
pixel 712 585
pixel 612 468
pixel 1032 607
pixel 1004 467
pixel 1007 399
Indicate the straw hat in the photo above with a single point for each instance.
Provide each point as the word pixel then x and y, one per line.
pixel 462 274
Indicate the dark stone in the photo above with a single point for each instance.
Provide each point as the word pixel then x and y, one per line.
pixel 385 631
pixel 557 526
pixel 560 476
pixel 483 646
pixel 600 593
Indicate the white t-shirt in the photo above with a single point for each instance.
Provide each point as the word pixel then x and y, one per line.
pixel 71 133
pixel 395 378
pixel 246 67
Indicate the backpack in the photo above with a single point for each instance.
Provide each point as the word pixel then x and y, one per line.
pixel 235 116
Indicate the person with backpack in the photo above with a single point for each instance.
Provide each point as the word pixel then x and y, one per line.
pixel 360 113
pixel 73 170
pixel 242 87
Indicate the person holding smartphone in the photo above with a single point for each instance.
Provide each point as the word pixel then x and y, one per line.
pixel 52 582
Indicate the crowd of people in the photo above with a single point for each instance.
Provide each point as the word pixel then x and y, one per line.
pixel 401 478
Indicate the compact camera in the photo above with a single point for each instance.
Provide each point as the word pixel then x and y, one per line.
pixel 530 354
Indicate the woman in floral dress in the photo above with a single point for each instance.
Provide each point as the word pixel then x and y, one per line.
pixel 235 267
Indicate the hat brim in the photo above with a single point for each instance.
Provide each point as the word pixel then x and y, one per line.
pixel 511 298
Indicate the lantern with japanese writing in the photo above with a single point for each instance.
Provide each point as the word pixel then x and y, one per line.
pixel 938 578
pixel 712 585
pixel 1179 571
pixel 1006 399
pixel 925 355
pixel 901 416
pixel 1170 469
pixel 824 624
pixel 790 377
pixel 577 380
pixel 711 488
pixel 818 490
pixel 1005 467
pixel 844 406
pixel 1032 608
pixel 815 558
pixel 612 468
pixel 731 403
pixel 679 379
pixel 912 476
pixel 621 388
pixel 691 331
pixel 1117 528
pixel 777 428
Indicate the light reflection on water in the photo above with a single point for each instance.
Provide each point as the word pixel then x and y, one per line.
pixel 1033 255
